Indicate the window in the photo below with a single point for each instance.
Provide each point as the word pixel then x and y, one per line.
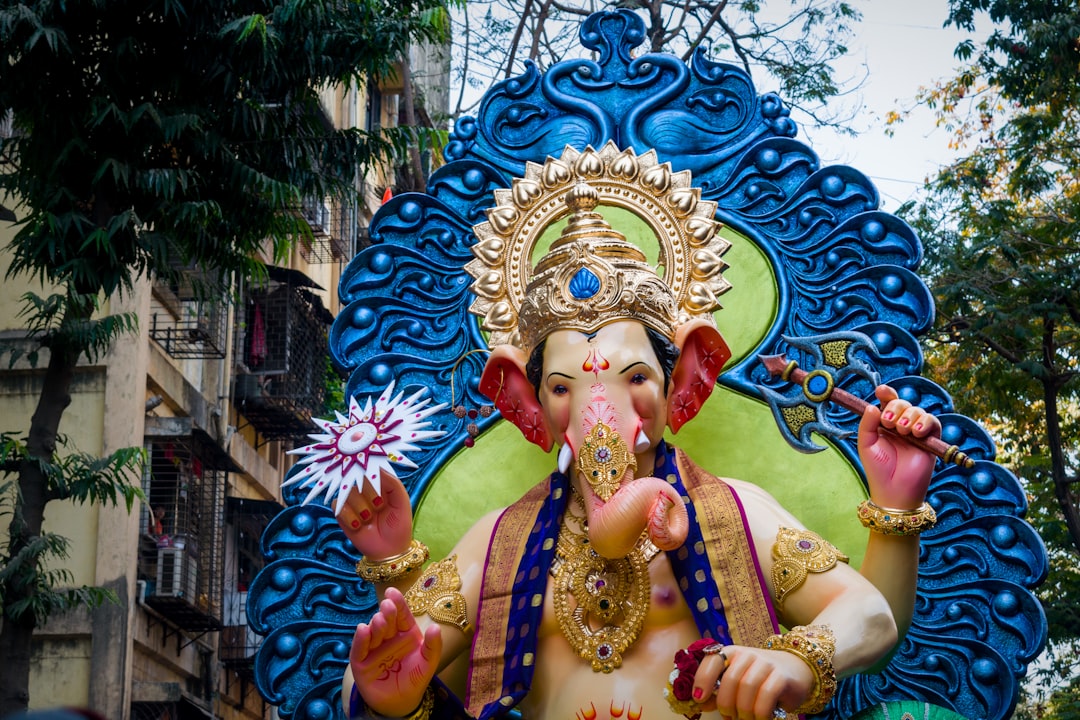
pixel 181 539
pixel 281 382
pixel 185 322
pixel 245 521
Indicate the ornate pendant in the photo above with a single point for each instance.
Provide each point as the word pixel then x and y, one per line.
pixel 605 590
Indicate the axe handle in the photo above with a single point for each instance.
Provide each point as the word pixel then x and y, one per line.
pixel 933 445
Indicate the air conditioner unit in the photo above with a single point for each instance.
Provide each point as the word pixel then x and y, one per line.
pixel 175 572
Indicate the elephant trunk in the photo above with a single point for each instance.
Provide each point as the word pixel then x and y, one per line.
pixel 645 503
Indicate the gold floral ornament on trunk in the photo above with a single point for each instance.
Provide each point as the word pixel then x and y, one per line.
pixel 604 460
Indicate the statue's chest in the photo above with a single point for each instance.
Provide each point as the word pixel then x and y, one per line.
pixel 588 625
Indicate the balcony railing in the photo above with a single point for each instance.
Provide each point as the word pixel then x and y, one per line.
pixel 333 230
pixel 181 544
pixel 281 382
pixel 185 323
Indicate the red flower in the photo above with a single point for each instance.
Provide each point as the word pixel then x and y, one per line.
pixel 683 687
pixel 685 662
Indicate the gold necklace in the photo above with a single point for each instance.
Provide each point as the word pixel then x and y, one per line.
pixel 606 592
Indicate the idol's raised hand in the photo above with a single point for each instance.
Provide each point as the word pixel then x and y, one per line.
pixel 392 660
pixel 897 472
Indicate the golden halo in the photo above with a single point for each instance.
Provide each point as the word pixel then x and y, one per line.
pixel 685 227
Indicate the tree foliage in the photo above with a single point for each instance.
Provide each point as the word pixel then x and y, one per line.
pixel 29 586
pixel 789 50
pixel 1001 226
pixel 143 137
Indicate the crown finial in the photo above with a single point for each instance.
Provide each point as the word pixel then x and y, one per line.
pixel 582 196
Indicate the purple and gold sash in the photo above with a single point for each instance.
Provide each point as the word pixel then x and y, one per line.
pixel 716 569
pixel 512 598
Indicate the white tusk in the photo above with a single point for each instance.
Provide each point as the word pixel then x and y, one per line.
pixel 566 456
pixel 641 443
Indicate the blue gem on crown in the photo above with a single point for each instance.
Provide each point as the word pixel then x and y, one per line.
pixel 584 284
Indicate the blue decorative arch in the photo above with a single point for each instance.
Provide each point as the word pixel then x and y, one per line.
pixel 841 264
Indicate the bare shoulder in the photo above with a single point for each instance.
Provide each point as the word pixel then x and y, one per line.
pixel 471 549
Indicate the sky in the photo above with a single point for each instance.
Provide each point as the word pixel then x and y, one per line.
pixel 899 47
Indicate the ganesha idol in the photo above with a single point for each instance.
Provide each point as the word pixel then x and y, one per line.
pixel 629 581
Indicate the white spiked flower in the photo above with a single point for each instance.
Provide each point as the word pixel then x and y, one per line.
pixel 361 446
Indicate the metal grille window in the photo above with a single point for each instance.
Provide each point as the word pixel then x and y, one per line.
pixel 181 543
pixel 281 383
pixel 246 519
pixel 333 230
pixel 185 324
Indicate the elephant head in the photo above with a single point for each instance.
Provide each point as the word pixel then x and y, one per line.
pixel 606 393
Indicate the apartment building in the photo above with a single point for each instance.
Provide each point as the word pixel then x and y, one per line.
pixel 217 391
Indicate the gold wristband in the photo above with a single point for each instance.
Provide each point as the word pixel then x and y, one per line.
pixel 394 568
pixel 422 711
pixel 436 593
pixel 426 706
pixel 889 521
pixel 815 644
pixel 796 553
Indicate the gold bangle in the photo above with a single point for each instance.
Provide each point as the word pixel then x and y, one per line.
pixel 796 553
pixel 426 706
pixel 422 711
pixel 889 521
pixel 396 567
pixel 436 593
pixel 815 644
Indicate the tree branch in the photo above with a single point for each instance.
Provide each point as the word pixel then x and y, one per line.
pixel 512 53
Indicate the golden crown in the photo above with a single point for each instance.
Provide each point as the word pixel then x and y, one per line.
pixel 592 275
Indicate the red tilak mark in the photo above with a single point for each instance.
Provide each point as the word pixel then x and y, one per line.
pixel 595 362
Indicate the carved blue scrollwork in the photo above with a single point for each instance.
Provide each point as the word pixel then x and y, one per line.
pixel 841 265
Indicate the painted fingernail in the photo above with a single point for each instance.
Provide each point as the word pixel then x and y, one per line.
pixel 376 501
pixel 698 693
pixel 887 415
pixel 355 524
pixel 903 421
pixel 919 426
pixel 365 514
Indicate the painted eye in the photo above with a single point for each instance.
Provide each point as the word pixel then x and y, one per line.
pixel 638 379
pixel 560 390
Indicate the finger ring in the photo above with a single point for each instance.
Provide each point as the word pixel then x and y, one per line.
pixel 779 713
pixel 714 649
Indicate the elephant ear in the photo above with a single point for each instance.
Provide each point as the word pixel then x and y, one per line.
pixel 505 383
pixel 702 357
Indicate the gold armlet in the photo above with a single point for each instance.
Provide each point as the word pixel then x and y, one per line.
pixel 797 553
pixel 436 593
pixel 394 568
pixel 815 644
pixel 888 521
